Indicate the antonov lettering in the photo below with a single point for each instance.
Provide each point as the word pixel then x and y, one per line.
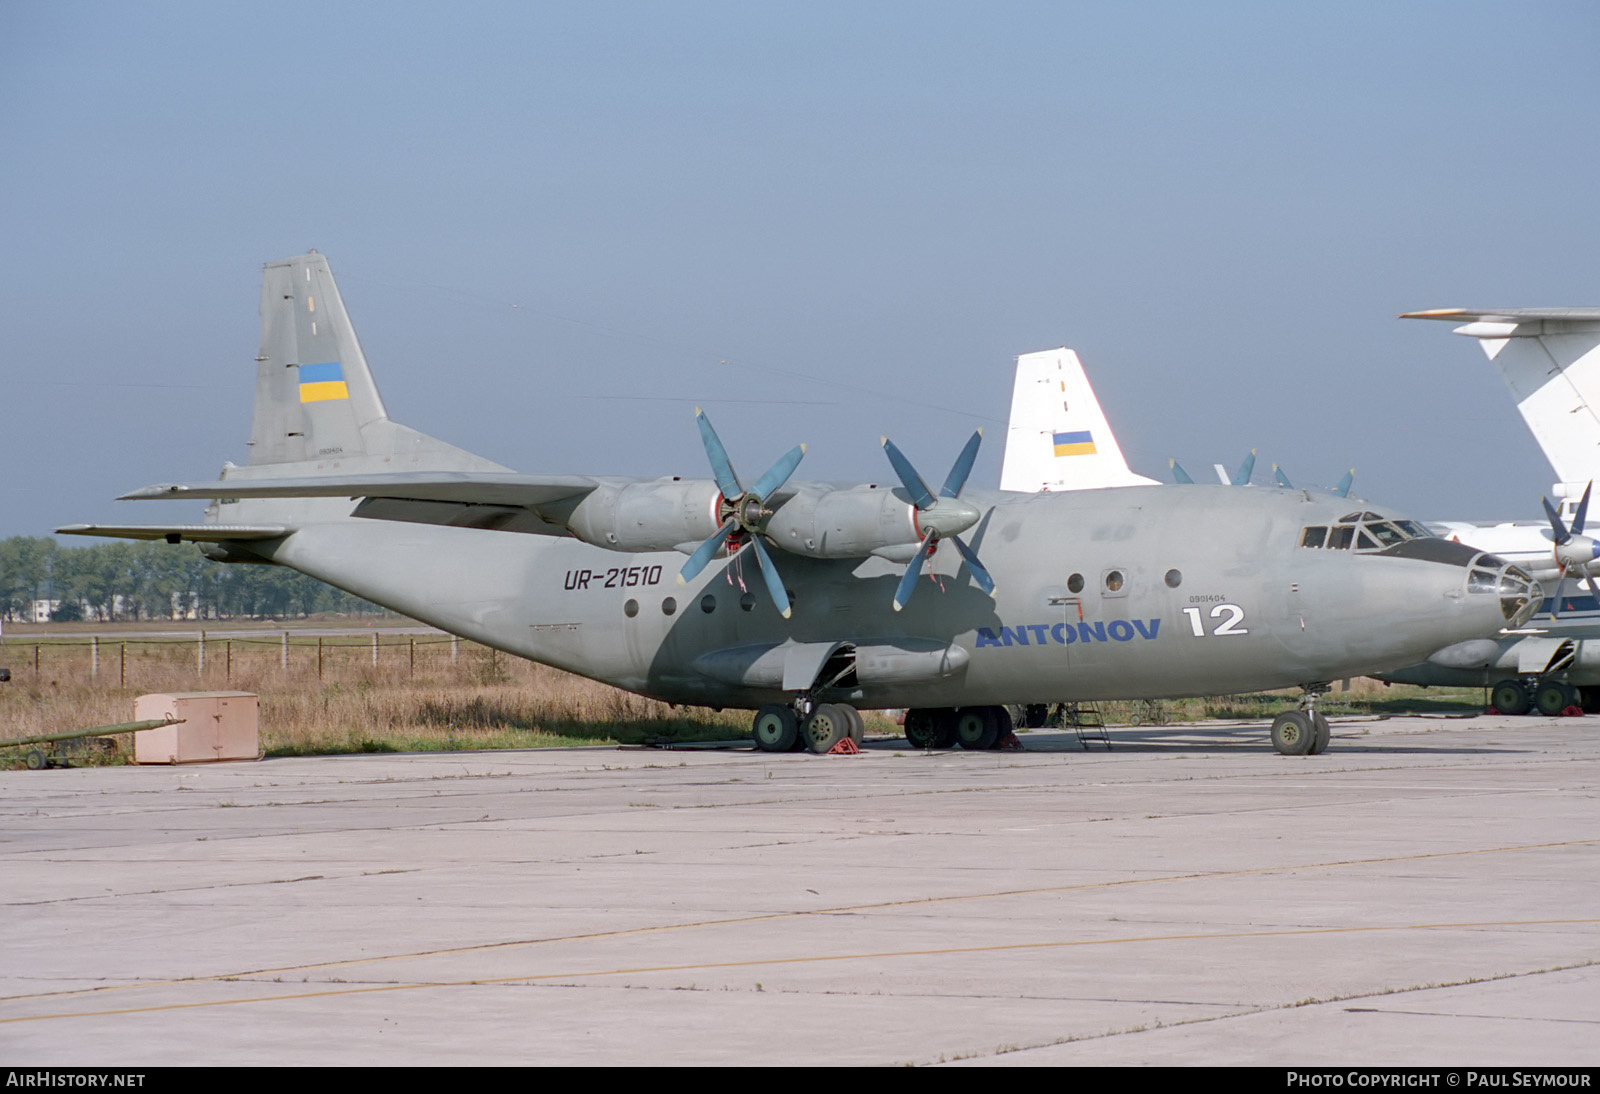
pixel 1065 634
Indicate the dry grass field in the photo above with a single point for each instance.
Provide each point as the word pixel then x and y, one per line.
pixel 385 690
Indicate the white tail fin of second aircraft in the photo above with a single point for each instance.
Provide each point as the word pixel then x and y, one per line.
pixel 1059 438
pixel 1550 359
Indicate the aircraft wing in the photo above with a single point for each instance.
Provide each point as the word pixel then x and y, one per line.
pixel 461 487
pixel 174 533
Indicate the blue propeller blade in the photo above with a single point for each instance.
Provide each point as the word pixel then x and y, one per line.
pixel 778 473
pixel 1560 529
pixel 908 580
pixel 920 495
pixel 1343 489
pixel 979 574
pixel 1583 510
pixel 721 467
pixel 1246 469
pixel 962 467
pixel 1281 478
pixel 704 553
pixel 1179 475
pixel 780 595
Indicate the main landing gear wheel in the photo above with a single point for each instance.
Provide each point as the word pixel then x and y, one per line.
pixel 1293 733
pixel 1552 697
pixel 1323 733
pixel 775 728
pixel 977 727
pixel 930 728
pixel 1510 697
pixel 858 727
pixel 827 726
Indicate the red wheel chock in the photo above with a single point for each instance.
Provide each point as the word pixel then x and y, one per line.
pixel 845 747
pixel 1009 743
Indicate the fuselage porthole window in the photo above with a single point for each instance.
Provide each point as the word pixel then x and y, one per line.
pixel 1075 583
pixel 708 603
pixel 1174 579
pixel 668 606
pixel 1115 583
pixel 630 608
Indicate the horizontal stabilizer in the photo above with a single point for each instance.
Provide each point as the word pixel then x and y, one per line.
pixel 466 487
pixel 1509 315
pixel 1550 361
pixel 174 533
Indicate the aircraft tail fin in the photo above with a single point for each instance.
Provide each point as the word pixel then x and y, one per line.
pixel 315 396
pixel 1550 359
pixel 1058 437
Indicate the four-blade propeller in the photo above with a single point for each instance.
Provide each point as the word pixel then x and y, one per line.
pixel 744 512
pixel 939 517
pixel 1574 551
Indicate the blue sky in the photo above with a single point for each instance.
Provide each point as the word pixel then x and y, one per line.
pixel 558 228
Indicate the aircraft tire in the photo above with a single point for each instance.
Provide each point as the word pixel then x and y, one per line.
pixel 1552 697
pixel 1292 733
pixel 1510 697
pixel 977 727
pixel 923 728
pixel 827 726
pixel 1323 734
pixel 858 728
pixel 774 728
pixel 36 759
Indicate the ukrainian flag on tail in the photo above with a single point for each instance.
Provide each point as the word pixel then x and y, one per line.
pixel 1080 443
pixel 324 381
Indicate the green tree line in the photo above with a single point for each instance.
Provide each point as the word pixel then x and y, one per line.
pixel 138 580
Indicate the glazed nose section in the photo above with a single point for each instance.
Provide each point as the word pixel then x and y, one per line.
pixel 1519 594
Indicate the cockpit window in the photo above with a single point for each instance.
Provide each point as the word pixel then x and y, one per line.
pixel 1364 532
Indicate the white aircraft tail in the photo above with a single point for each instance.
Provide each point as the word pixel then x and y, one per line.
pixel 1550 359
pixel 315 397
pixel 1058 437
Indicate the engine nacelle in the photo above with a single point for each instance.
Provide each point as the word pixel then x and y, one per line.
pixel 646 516
pixel 843 523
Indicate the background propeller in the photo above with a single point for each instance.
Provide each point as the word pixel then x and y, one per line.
pixel 939 518
pixel 743 512
pixel 1573 550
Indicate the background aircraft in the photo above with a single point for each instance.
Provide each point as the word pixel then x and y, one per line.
pixel 1549 359
pixel 823 599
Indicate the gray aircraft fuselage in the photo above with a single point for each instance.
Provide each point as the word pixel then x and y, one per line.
pixel 1244 607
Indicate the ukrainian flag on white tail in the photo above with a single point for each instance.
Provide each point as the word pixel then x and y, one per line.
pixel 1080 443
pixel 322 382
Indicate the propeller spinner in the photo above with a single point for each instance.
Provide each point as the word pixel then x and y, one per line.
pixel 743 512
pixel 938 518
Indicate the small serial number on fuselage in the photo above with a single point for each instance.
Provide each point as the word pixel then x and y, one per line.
pixel 618 577
pixel 1206 598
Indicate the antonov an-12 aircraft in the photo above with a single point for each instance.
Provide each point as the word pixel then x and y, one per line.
pixel 870 596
